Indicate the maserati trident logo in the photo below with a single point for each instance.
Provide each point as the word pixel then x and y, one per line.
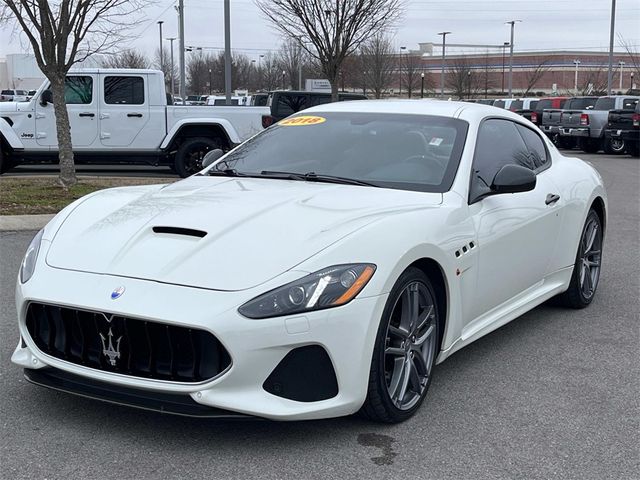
pixel 117 293
pixel 108 350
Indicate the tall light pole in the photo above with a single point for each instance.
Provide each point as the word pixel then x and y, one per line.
pixel 632 85
pixel 173 91
pixel 575 79
pixel 622 64
pixel 402 49
pixel 283 74
pixel 611 33
pixel 210 81
pixel 444 37
pixel 227 52
pixel 161 49
pixel 513 24
pixel 504 46
pixel 422 85
pixel 183 89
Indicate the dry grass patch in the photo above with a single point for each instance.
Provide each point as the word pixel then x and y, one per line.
pixel 35 195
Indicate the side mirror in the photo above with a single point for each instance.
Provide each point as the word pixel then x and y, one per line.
pixel 211 156
pixel 513 179
pixel 46 97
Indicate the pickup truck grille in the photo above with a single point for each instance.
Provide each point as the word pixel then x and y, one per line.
pixel 126 345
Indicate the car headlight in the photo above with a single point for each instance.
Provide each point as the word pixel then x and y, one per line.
pixel 29 261
pixel 331 287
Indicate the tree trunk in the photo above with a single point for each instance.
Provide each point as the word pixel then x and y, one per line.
pixel 67 177
pixel 334 90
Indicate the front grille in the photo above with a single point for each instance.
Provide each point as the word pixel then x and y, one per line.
pixel 126 345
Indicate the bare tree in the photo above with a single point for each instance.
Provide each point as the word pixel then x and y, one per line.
pixel 269 72
pixel 334 28
pixel 535 73
pixel 62 33
pixel 462 80
pixel 411 67
pixel 487 78
pixel 377 63
pixel 593 80
pixel 197 71
pixel 126 59
pixel 291 59
pixel 167 69
pixel 633 57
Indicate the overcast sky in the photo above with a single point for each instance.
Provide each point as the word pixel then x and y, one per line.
pixel 546 24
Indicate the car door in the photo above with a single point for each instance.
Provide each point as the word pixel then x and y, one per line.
pixel 516 233
pixel 82 107
pixel 124 109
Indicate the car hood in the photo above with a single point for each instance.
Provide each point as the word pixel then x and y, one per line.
pixel 247 231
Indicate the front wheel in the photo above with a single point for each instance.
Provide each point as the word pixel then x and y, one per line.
pixel 586 270
pixel 191 153
pixel 405 350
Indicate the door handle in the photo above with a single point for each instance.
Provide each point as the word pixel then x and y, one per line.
pixel 551 199
pixel 139 115
pixel 87 114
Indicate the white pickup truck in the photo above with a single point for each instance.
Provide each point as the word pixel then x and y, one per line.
pixel 122 116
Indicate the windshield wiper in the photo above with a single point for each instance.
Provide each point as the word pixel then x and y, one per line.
pixel 314 177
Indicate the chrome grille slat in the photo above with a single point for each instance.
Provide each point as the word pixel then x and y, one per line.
pixel 138 347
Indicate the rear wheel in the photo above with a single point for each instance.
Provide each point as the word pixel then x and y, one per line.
pixel 614 146
pixel 405 350
pixel 586 270
pixel 590 145
pixel 191 153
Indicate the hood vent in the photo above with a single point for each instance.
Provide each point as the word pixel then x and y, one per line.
pixel 189 232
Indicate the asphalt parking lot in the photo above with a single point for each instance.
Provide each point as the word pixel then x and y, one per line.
pixel 554 394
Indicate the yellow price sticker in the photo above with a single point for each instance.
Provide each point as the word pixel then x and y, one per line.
pixel 302 120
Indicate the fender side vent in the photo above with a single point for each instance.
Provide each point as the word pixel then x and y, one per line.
pixel 189 232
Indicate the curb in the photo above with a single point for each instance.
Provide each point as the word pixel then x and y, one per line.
pixel 17 223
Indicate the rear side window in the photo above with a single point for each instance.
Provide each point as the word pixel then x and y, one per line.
pixel 516 105
pixel 581 103
pixel 499 143
pixel 78 90
pixel 537 152
pixel 533 104
pixel 319 100
pixel 544 104
pixel 124 90
pixel 6 92
pixel 288 104
pixel 499 103
pixel 629 103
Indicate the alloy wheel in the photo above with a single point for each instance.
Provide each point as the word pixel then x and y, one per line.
pixel 410 345
pixel 591 258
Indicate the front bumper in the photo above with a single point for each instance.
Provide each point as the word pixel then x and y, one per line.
pixel 256 347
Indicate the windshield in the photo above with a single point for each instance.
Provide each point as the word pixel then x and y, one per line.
pixel 409 152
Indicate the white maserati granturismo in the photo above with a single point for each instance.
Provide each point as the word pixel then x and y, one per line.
pixel 321 268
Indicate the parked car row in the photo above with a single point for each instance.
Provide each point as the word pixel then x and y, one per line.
pixel 12 95
pixel 591 123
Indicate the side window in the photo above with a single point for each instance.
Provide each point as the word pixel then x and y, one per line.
pixel 535 145
pixel 123 90
pixel 498 144
pixel 288 104
pixel 629 103
pixel 78 90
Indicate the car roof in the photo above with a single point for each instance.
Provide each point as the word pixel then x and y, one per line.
pixel 441 108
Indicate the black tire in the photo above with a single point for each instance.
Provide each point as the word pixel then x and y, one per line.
pixel 418 357
pixel 590 145
pixel 633 148
pixel 5 164
pixel 614 146
pixel 578 296
pixel 190 154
